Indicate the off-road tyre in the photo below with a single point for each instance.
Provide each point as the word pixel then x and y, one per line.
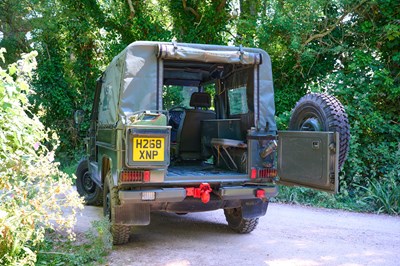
pixel 119 232
pixel 322 112
pixel 239 224
pixel 86 187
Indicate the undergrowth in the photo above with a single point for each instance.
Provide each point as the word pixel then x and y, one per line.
pixel 379 196
pixel 89 248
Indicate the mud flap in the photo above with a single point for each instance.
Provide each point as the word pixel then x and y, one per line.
pixel 253 208
pixel 133 214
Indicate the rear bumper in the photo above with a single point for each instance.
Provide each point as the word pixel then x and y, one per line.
pixel 179 194
pixel 135 205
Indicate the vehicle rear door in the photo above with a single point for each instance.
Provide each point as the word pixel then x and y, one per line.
pixel 309 159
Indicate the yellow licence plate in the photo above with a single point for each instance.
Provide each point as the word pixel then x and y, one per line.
pixel 148 149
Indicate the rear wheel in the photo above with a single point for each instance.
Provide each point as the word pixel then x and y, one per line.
pixel 239 224
pixel 119 232
pixel 86 187
pixel 322 112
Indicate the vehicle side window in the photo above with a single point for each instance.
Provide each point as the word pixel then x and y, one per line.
pixel 174 96
pixel 238 101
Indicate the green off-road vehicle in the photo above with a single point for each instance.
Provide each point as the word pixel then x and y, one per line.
pixel 182 128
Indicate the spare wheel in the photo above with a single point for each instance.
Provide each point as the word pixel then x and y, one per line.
pixel 322 112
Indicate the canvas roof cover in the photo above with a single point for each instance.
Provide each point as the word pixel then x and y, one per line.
pixel 133 80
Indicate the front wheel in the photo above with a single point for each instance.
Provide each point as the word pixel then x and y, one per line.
pixel 239 224
pixel 120 233
pixel 85 185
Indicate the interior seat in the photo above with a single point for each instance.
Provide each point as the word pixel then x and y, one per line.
pixel 189 133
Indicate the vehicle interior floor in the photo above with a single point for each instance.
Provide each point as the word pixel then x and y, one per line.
pixel 198 168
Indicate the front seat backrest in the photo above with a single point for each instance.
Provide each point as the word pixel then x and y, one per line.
pixel 189 137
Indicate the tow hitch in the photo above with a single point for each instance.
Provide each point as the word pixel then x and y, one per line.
pixel 203 192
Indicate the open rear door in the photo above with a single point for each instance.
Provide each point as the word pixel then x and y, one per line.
pixel 309 159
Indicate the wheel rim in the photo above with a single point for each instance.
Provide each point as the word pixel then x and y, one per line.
pixel 311 124
pixel 87 183
pixel 236 213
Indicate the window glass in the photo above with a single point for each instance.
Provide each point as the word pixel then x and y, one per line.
pixel 177 96
pixel 180 95
pixel 238 101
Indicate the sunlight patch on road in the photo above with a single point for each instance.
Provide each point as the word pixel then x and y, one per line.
pixel 178 263
pixel 297 262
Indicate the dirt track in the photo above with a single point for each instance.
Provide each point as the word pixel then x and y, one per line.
pixel 287 235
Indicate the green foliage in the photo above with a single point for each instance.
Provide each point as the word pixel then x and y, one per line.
pixel 91 247
pixel 172 97
pixel 13 27
pixel 199 21
pixel 33 192
pixel 384 195
pixel 311 197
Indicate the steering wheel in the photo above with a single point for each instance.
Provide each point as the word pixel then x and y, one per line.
pixel 175 116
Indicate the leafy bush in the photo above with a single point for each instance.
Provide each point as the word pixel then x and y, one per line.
pixel 33 192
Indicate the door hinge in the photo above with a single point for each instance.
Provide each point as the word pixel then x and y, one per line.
pixel 332 178
pixel 332 147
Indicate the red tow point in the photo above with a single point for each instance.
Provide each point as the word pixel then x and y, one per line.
pixel 260 193
pixel 202 192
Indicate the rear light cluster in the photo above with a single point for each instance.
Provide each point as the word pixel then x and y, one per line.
pixel 263 173
pixel 135 176
pixel 267 173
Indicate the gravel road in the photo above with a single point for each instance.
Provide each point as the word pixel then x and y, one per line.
pixel 287 235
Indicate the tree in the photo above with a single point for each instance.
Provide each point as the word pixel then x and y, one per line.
pixel 14 25
pixel 199 21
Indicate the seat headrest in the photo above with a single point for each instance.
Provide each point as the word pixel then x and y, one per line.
pixel 200 99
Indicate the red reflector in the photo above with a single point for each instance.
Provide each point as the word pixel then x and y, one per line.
pixel 253 173
pixel 146 176
pixel 260 193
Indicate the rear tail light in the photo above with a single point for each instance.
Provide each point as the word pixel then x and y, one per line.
pixel 263 173
pixel 135 176
pixel 253 173
pixel 267 173
pixel 146 176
